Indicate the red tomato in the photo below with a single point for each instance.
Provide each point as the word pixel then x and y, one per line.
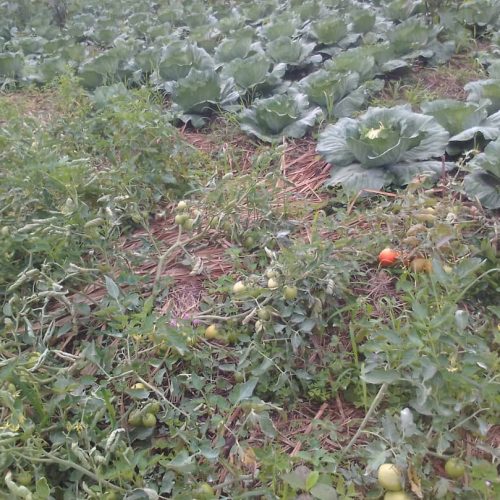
pixel 388 257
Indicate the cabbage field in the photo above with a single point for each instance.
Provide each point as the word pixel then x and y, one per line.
pixel 249 249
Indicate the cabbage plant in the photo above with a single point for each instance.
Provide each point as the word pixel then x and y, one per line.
pixel 362 20
pixel 287 115
pixel 200 95
pixel 254 74
pixel 480 12
pixel 415 38
pixel 11 65
pixel 179 57
pixel 483 183
pixel 329 31
pixel 487 91
pixel 235 48
pixel 357 60
pixel 338 94
pixel 467 122
pixel 383 146
pixel 292 52
pixel 99 70
pixel 284 25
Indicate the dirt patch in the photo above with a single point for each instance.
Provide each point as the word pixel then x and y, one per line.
pixel 448 80
pixel 220 138
pixel 39 106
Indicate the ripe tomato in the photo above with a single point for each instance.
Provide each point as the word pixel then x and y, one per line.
pixel 388 257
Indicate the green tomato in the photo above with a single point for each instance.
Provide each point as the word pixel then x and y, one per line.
pixel 454 468
pixel 188 224
pixel 396 495
pixel 182 205
pixel 135 418
pixel 180 219
pixel 249 242
pixel 389 477
pixel 153 407
pixel 239 287
pixel 211 332
pixel 264 314
pixel 290 292
pixel 272 284
pixel 148 420
pixel 204 492
pixel 25 478
pixel 11 388
pixel 271 273
pixel 239 377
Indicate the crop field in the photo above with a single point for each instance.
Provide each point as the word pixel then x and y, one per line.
pixel 249 249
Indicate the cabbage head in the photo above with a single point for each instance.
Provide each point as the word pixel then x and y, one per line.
pixel 202 94
pixel 256 73
pixel 286 115
pixel 383 146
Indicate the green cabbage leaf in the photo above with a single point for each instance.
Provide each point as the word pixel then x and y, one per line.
pixel 467 122
pixel 483 183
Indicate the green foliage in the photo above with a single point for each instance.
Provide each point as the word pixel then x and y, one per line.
pixel 119 381
pixel 468 123
pixel 483 183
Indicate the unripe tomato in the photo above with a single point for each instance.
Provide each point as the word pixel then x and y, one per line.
pixel 272 284
pixel 290 292
pixel 148 420
pixel 211 332
pixel 454 468
pixel 204 492
pixel 264 314
pixel 153 407
pixel 239 287
pixel 396 495
pixel 24 477
pixel 271 273
pixel 180 219
pixel 135 418
pixel 249 242
pixel 389 477
pixel 182 205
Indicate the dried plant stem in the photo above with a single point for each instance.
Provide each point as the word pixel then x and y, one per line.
pixel 369 413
